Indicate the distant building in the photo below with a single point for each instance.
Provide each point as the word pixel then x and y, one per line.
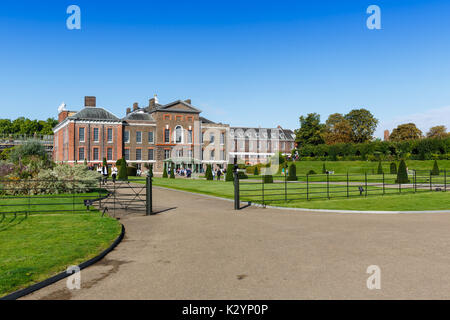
pixel 12 140
pixel 160 134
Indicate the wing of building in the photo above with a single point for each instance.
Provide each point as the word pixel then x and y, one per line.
pixel 160 134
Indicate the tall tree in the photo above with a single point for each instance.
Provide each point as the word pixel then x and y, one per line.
pixel 407 131
pixel 438 132
pixel 363 125
pixel 310 131
pixel 337 129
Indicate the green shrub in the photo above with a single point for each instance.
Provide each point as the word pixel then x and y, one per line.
pixel 242 175
pixel 208 174
pixel 229 175
pixel 256 172
pixel 267 178
pixel 165 173
pixel 311 172
pixel 393 168
pixel 380 168
pixel 131 171
pixel 27 150
pixel 172 171
pixel 402 175
pixel 292 173
pixel 123 173
pixel 435 171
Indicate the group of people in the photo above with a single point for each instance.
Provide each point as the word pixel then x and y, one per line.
pixel 218 173
pixel 104 171
pixel 182 172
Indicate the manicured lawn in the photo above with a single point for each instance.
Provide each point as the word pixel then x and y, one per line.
pixel 37 246
pixel 297 193
pixel 365 166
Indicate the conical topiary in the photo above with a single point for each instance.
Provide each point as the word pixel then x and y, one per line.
pixel 229 175
pixel 256 172
pixel 208 174
pixel 380 168
pixel 165 173
pixel 393 168
pixel 292 173
pixel 267 178
pixel 172 171
pixel 435 171
pixel 123 174
pixel 402 175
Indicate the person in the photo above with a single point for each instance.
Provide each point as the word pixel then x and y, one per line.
pixel 114 173
pixel 99 169
pixel 138 172
pixel 219 173
pixel 105 174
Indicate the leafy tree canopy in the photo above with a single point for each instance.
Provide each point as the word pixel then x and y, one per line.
pixel 363 125
pixel 310 131
pixel 438 132
pixel 407 131
pixel 27 127
pixel 337 129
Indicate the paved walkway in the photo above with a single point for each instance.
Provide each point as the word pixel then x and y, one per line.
pixel 204 249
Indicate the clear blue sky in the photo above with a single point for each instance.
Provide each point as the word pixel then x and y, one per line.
pixel 247 63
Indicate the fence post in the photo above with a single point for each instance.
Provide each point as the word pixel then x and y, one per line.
pixel 365 175
pixel 73 195
pixel 307 186
pixel 236 190
pixel 445 180
pixel 431 184
pixel 348 195
pixel 99 195
pixel 285 186
pixel 328 186
pixel 383 185
pixel 149 200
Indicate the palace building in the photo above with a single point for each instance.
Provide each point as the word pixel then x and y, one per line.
pixel 160 134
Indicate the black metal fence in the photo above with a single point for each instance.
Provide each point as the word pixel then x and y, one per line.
pixel 333 186
pixel 24 197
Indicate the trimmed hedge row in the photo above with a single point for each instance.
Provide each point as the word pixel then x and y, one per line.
pixel 422 149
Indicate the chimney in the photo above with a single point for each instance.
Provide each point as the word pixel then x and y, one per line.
pixel 62 115
pixel 188 101
pixel 386 135
pixel 128 110
pixel 135 106
pixel 89 101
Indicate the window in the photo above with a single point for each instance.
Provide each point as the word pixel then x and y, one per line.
pixel 126 136
pixel 178 134
pixel 179 118
pixel 222 138
pixel 222 155
pixel 110 135
pixel 138 154
pixel 189 136
pixel 211 138
pixel 212 154
pixel 127 154
pixel 166 117
pixel 109 154
pixel 81 134
pixel 138 136
pixel 150 154
pixel 179 153
pixel 166 135
pixel 150 137
pixel 95 154
pixel 190 153
pixel 95 134
pixel 81 154
pixel 203 137
pixel 166 154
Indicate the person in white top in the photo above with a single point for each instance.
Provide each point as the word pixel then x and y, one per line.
pixel 114 172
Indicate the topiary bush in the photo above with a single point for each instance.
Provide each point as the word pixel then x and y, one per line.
pixel 393 168
pixel 132 171
pixel 292 173
pixel 172 171
pixel 256 172
pixel 311 172
pixel 208 174
pixel 123 173
pixel 402 175
pixel 380 168
pixel 165 173
pixel 229 175
pixel 435 171
pixel 242 175
pixel 267 178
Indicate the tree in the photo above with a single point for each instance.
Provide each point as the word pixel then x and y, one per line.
pixel 363 125
pixel 123 173
pixel 229 175
pixel 435 171
pixel 172 171
pixel 393 168
pixel 292 173
pixel 310 131
pixel 27 150
pixel 208 174
pixel 165 172
pixel 337 129
pixel 402 175
pixel 438 132
pixel 256 172
pixel 407 131
pixel 380 168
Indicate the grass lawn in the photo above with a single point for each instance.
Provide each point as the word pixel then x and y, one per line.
pixel 365 166
pixel 250 191
pixel 37 246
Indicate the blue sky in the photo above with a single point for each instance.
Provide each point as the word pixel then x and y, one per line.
pixel 247 63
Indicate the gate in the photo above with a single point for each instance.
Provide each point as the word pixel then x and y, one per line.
pixel 131 196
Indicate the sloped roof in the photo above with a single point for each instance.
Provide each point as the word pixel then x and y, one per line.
pixel 168 107
pixel 95 114
pixel 204 120
pixel 139 116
